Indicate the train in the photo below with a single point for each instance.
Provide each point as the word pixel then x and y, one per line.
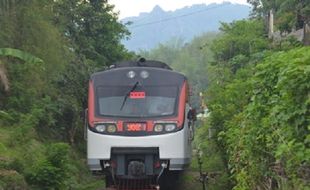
pixel 139 124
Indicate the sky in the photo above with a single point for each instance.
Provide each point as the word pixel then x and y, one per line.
pixel 129 8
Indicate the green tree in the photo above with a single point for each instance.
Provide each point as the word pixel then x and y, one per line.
pixel 289 14
pixel 93 33
pixel 92 29
pixel 245 37
pixel 238 42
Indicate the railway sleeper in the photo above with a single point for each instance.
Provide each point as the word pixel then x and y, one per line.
pixel 135 184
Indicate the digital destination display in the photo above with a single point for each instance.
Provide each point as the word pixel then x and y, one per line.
pixel 134 127
pixel 137 95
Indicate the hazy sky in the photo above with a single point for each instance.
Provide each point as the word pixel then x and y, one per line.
pixel 134 7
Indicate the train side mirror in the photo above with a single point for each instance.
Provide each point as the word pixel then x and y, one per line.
pixel 192 114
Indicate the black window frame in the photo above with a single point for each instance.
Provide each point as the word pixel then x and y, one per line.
pixel 175 112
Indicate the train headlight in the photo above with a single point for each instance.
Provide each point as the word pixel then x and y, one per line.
pixel 170 127
pixel 100 128
pixel 111 128
pixel 144 74
pixel 131 74
pixel 158 127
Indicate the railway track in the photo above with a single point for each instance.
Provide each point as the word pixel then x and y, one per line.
pixel 169 181
pixel 135 184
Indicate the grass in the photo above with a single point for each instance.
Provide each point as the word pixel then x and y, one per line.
pixel 212 159
pixel 18 156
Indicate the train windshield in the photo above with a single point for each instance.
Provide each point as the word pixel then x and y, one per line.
pixel 140 101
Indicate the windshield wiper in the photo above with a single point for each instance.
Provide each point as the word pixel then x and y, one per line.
pixel 128 93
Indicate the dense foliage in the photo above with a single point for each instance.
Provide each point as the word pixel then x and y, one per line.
pixel 289 14
pixel 46 56
pixel 261 111
pixel 258 95
pixel 257 91
pixel 266 136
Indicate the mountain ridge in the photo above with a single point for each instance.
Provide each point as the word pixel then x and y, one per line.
pixel 158 26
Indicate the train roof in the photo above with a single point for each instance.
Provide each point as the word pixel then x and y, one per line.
pixel 141 63
pixel 160 74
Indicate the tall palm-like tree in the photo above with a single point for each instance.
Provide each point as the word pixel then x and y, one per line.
pixel 24 56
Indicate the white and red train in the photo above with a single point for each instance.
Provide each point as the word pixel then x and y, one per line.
pixel 138 124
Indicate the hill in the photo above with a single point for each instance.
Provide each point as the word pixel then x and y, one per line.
pixel 150 29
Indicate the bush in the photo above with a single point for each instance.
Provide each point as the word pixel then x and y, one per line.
pixel 267 141
pixel 12 180
pixel 52 171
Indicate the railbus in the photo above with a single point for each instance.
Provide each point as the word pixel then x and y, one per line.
pixel 138 124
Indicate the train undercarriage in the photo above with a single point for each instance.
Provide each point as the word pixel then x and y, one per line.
pixel 138 169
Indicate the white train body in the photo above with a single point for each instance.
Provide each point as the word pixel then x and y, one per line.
pixel 138 121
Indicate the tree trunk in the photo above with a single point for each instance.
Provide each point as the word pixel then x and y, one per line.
pixel 270 24
pixel 3 77
pixel 306 37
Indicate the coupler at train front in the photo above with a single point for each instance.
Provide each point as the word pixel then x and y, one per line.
pixel 134 168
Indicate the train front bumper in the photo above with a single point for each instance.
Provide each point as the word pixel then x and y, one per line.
pixel 175 147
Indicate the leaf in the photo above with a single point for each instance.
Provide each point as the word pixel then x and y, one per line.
pixel 27 57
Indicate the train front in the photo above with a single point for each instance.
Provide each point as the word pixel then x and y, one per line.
pixel 137 124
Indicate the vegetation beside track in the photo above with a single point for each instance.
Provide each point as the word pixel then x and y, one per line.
pixel 258 97
pixel 257 91
pixel 42 102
